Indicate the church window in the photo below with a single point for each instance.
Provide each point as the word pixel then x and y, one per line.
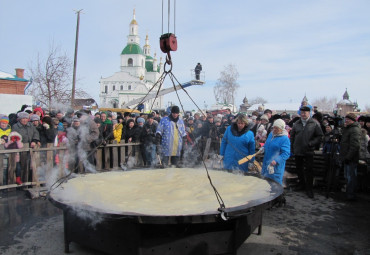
pixel 121 87
pixel 129 87
pixel 114 88
pixel 130 62
pixel 106 89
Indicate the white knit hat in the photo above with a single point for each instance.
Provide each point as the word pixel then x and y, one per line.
pixel 264 117
pixel 279 123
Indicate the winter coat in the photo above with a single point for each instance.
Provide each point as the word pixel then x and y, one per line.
pixel 277 147
pixel 5 131
pixel 106 129
pixel 172 132
pixel 117 132
pixel 304 139
pixel 364 154
pixel 28 132
pixel 236 145
pixel 47 134
pixel 148 135
pixel 350 143
pixel 14 144
pixel 84 136
pixel 130 133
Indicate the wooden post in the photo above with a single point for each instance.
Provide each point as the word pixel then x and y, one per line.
pixel 35 162
pixel 99 159
pixel 115 155
pixel 25 163
pixel 62 162
pixel 106 158
pixel 11 168
pixel 123 154
pixel 2 166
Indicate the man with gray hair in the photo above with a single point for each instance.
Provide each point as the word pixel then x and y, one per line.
pixel 28 131
pixel 304 136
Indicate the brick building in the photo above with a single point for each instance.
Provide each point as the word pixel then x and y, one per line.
pixel 12 95
pixel 13 84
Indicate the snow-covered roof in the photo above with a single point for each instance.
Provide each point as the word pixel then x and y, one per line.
pixel 4 75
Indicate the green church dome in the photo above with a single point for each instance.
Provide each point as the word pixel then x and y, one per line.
pixel 132 49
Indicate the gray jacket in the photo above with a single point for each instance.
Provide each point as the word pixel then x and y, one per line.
pixel 28 132
pixel 304 139
pixel 350 143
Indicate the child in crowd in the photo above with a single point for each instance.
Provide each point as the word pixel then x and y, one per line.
pixel 15 142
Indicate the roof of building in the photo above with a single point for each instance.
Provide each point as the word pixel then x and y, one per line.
pixel 149 67
pixel 8 76
pixel 132 48
pixel 84 102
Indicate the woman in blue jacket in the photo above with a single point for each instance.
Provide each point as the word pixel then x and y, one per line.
pixel 237 143
pixel 277 151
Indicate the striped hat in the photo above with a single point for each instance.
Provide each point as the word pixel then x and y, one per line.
pixel 4 119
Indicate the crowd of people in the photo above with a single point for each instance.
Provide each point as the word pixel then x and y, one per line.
pixel 172 139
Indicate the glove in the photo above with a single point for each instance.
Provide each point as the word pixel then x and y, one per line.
pixel 46 125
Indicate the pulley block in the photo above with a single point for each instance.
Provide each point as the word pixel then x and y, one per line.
pixel 168 42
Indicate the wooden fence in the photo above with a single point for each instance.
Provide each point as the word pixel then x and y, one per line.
pixel 32 160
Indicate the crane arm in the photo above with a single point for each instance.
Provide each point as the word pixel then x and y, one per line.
pixel 161 93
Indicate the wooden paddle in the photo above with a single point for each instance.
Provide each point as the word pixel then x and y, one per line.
pixel 249 157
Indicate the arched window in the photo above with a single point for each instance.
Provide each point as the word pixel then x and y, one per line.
pixel 129 87
pixel 114 88
pixel 121 87
pixel 106 89
pixel 130 62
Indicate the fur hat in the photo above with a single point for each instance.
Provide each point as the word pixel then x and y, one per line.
pixel 140 120
pixel 22 115
pixel 279 123
pixel 351 116
pixel 175 109
pixel 35 117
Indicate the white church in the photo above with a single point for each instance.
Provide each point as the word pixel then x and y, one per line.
pixel 139 72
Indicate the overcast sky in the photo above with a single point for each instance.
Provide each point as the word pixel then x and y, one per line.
pixel 281 49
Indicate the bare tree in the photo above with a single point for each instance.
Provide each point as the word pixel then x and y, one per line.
pixel 258 100
pixel 52 78
pixel 227 85
pixel 325 104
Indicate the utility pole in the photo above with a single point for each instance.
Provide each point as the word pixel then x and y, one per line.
pixel 75 60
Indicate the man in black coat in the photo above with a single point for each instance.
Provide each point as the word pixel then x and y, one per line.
pixel 198 69
pixel 304 136
pixel 349 152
